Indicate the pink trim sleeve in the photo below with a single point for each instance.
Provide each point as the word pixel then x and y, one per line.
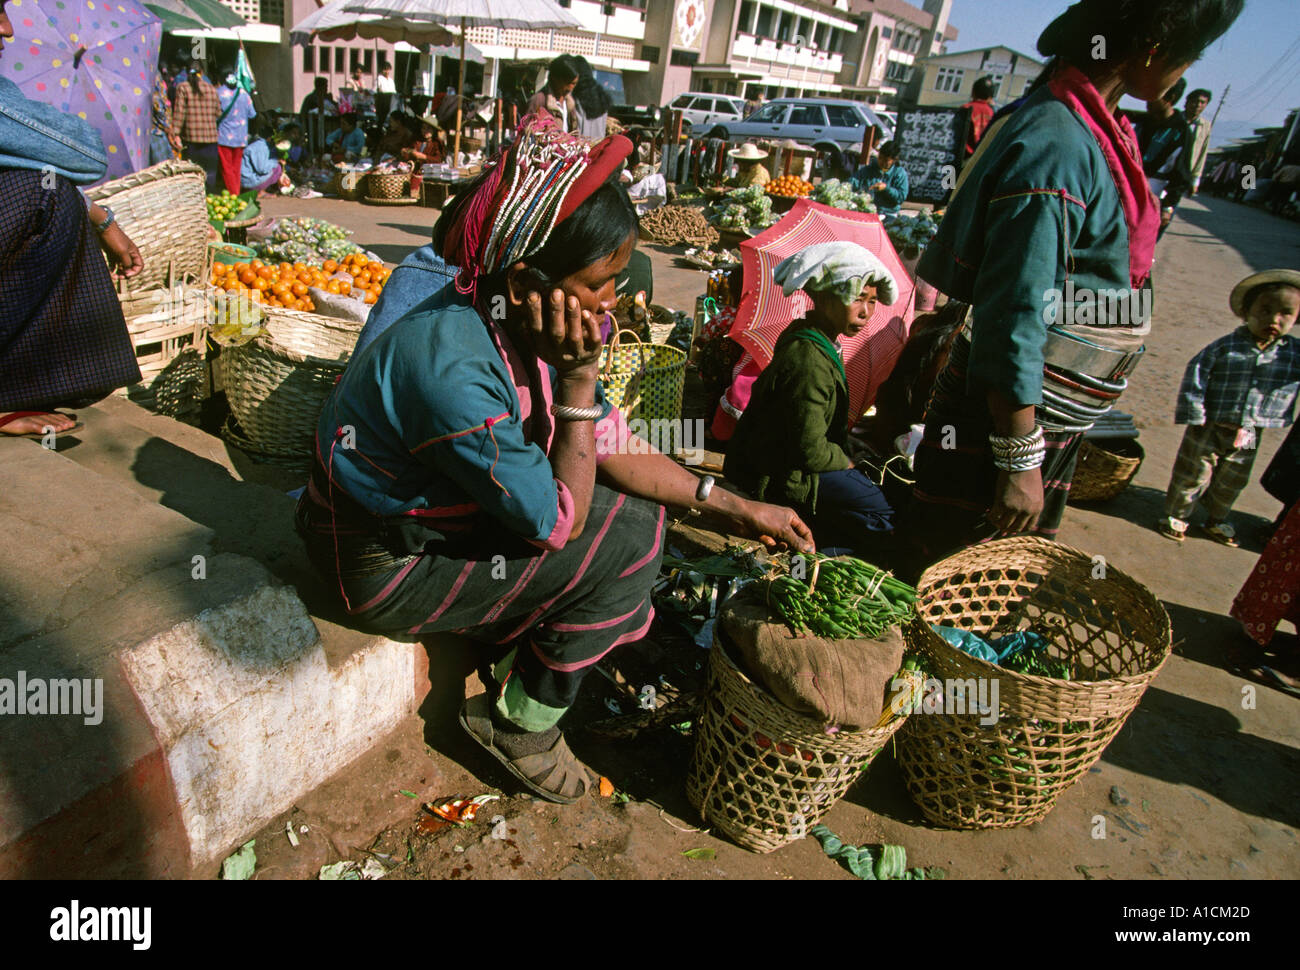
pixel 612 435
pixel 563 519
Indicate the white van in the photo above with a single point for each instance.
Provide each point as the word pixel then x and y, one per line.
pixel 709 109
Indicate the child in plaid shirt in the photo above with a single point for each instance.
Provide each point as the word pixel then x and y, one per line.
pixel 1240 383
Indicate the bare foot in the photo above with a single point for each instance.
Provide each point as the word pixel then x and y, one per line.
pixel 37 424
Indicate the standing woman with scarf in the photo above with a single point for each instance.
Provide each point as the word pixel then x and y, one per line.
pixel 593 101
pixel 1056 196
pixel 469 475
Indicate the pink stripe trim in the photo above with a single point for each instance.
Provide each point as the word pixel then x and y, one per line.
pixel 451 596
pixel 625 638
pixel 509 598
pixel 659 536
pixel 584 627
pixel 444 511
pixel 383 593
pixel 609 519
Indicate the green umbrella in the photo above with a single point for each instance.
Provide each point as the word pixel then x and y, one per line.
pixel 194 14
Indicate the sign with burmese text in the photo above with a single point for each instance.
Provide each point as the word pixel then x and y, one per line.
pixel 930 143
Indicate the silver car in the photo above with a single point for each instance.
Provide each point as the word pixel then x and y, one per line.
pixel 817 122
pixel 706 110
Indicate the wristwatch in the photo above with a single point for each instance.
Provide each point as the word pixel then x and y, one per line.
pixel 103 226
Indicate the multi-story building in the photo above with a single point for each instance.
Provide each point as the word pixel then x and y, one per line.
pixel 945 80
pixel 894 35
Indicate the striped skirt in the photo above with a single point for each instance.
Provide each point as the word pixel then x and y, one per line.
pixel 956 478
pixel 553 613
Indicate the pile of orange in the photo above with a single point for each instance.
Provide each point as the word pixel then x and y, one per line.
pixel 790 186
pixel 285 284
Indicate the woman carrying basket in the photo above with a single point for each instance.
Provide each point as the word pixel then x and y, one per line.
pixel 1057 196
pixel 469 475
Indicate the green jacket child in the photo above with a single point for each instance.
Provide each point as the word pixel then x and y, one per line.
pixel 791 445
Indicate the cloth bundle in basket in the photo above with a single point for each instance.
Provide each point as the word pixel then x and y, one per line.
pixel 278 382
pixel 1104 469
pixel 1112 631
pixel 762 774
pixel 644 381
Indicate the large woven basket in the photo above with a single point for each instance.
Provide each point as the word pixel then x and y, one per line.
pixel 388 186
pixel 163 210
pixel 277 383
pixel 1048 732
pixel 762 774
pixel 164 323
pixel 1105 469
pixel 644 381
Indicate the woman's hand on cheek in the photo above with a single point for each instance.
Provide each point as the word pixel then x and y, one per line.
pixel 563 334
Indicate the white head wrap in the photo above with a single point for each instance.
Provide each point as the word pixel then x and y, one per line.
pixel 840 268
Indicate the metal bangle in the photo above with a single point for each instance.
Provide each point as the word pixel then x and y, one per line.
pixel 1020 465
pixel 566 413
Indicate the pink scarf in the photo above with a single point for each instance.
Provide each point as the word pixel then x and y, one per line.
pixel 1118 144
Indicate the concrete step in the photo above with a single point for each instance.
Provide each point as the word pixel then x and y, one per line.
pixel 139 565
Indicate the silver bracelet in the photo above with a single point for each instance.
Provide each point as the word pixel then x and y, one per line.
pixel 1017 445
pixel 566 413
pixel 1020 464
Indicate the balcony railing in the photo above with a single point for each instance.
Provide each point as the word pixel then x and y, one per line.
pixel 751 48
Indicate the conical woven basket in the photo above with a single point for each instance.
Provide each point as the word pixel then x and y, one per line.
pixel 763 774
pixel 1105 469
pixel 1048 733
pixel 277 383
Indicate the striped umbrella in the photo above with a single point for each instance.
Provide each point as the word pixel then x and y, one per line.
pixel 765 311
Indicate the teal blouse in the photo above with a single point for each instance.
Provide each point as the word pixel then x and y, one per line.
pixel 1040 207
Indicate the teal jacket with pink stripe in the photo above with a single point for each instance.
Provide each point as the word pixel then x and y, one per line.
pixel 442 420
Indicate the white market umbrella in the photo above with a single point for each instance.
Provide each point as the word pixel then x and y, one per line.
pixel 331 23
pixel 527 14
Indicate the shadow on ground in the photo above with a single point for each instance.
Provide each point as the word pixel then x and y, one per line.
pixel 1144 506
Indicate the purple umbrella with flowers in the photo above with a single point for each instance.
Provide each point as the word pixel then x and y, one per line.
pixel 92 58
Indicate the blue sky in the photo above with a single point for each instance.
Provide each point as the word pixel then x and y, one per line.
pixel 1266 33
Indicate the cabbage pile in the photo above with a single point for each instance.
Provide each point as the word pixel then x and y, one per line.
pixel 840 195
pixel 911 234
pixel 746 208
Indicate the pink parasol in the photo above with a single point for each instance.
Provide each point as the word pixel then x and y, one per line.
pixel 765 311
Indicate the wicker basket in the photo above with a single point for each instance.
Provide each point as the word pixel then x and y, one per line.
pixel 277 383
pixel 1048 732
pixel 1105 469
pixel 645 381
pixel 763 774
pixel 163 210
pixel 389 186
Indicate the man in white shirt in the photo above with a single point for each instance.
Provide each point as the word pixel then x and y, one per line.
pixel 1193 110
pixel 385 89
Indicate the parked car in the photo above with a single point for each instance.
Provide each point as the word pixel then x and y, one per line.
pixel 702 110
pixel 817 122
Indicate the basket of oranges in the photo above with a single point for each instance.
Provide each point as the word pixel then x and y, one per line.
pixel 277 382
pixel 786 190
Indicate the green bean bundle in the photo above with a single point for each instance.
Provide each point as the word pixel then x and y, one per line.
pixel 841 599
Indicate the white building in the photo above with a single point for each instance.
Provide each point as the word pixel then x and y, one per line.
pixel 945 80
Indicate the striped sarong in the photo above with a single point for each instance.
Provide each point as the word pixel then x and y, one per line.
pixel 956 478
pixel 552 613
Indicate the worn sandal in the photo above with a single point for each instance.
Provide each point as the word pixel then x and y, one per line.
pixel 556 774
pixel 1222 533
pixel 1167 529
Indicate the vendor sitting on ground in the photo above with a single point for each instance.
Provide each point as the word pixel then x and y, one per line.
pixel 429 149
pixel 791 445
pixel 749 158
pixel 469 475
pixel 398 136
pixel 348 137
pixel 885 178
pixel 260 167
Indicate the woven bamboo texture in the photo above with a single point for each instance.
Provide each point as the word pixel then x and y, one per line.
pixel 762 774
pixel 1048 733
pixel 389 185
pixel 163 209
pixel 643 380
pixel 1104 470
pixel 277 383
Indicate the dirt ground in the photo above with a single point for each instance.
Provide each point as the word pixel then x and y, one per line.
pixel 1200 783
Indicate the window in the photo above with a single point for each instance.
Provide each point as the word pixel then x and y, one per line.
pixel 728 107
pixel 746 15
pixel 324 60
pixel 703 104
pixel 764 26
pixel 367 63
pixel 819 35
pixel 949 79
pixel 886 32
pixel 684 58
pixel 997 84
pixel 836 40
pixel 650 54
pixel 784 26
pixel 338 59
pixel 309 59
pixel 843 116
pixel 898 72
pixel 769 114
pixel 682 102
pixel 808 114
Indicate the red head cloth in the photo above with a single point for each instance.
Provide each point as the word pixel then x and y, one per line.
pixel 604 160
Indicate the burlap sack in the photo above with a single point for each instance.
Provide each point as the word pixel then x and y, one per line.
pixel 337 306
pixel 842 682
